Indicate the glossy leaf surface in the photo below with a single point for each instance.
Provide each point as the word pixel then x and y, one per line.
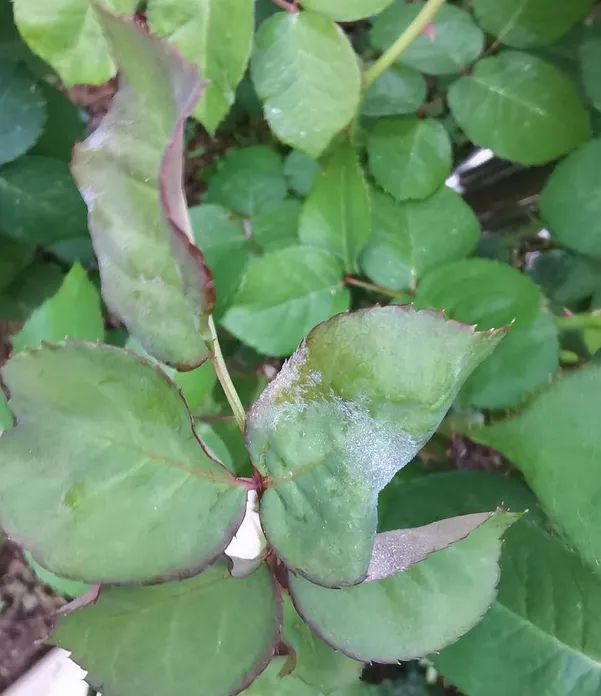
pixel 399 90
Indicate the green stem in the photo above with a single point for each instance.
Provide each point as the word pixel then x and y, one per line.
pixel 577 322
pixel 372 287
pixel 224 378
pixel 402 43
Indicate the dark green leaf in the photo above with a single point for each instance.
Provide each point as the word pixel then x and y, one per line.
pixel 217 36
pixel 14 256
pixel 590 65
pixel 39 282
pixel 571 201
pixel 520 107
pixel 409 158
pixel 300 171
pixel 23 110
pixel 524 23
pixel 39 202
pixel 306 73
pixel 336 215
pixel 63 129
pixel 341 418
pixel 452 43
pixel 276 226
pixel 213 630
pixel 129 172
pixel 413 237
pixel 399 90
pixel 284 295
pixel 566 278
pixel 134 479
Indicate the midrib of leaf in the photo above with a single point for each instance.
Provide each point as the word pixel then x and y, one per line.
pixel 37 202
pixel 495 89
pixel 512 21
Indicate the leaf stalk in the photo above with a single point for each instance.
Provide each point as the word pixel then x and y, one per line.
pixel 578 322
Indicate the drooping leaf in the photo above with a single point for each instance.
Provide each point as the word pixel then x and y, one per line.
pixel 220 237
pixel 341 418
pixel 306 73
pixel 336 215
pixel 23 110
pixel 248 179
pixel 63 128
pixel 212 630
pixel 409 158
pixel 62 586
pixel 217 37
pixel 39 202
pixel 570 204
pixel 68 35
pixel 74 312
pixel 276 226
pixel 399 90
pixel 300 171
pixel 129 172
pixel 556 443
pixel 413 237
pixel 453 41
pixel 520 107
pixel 132 479
pixel 271 315
pixel 525 23
pixel 414 612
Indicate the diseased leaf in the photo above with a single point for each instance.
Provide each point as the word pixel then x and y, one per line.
pixel 570 204
pixel 409 158
pixel 556 443
pixel 413 237
pixel 452 43
pixel 39 202
pixel 216 35
pixel 306 74
pixel 526 23
pixel 68 35
pixel 272 316
pixel 23 110
pixel 74 312
pixel 520 107
pixel 336 215
pixel 415 612
pixel 129 173
pixel 133 480
pixel 221 633
pixel 276 226
pixel 248 179
pixel 341 418
pixel 300 171
pixel 346 10
pixel 399 90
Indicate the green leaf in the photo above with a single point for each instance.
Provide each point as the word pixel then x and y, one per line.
pixel 206 35
pixel 276 226
pixel 414 612
pixel 68 35
pixel 134 479
pixel 556 444
pixel 62 586
pixel 590 62
pixel 399 90
pixel 220 631
pixel 300 171
pixel 14 257
pixel 570 204
pixel 306 73
pixel 413 237
pixel 480 291
pixel 129 172
pixel 336 215
pixel 39 202
pixel 409 157
pixel 6 416
pixel 525 361
pixel 520 107
pixel 346 10
pixel 525 23
pixel 248 179
pixel 74 312
pixel 273 316
pixel 341 418
pixel 316 663
pixel 275 680
pixel 564 277
pixel 23 110
pixel 452 43
pixel 63 128
pixel 38 283
pixel 220 237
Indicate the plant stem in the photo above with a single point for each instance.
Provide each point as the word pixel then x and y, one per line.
pixel 402 43
pixel 224 378
pixel 356 282
pixel 576 322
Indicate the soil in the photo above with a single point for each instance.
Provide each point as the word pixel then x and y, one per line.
pixel 26 616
